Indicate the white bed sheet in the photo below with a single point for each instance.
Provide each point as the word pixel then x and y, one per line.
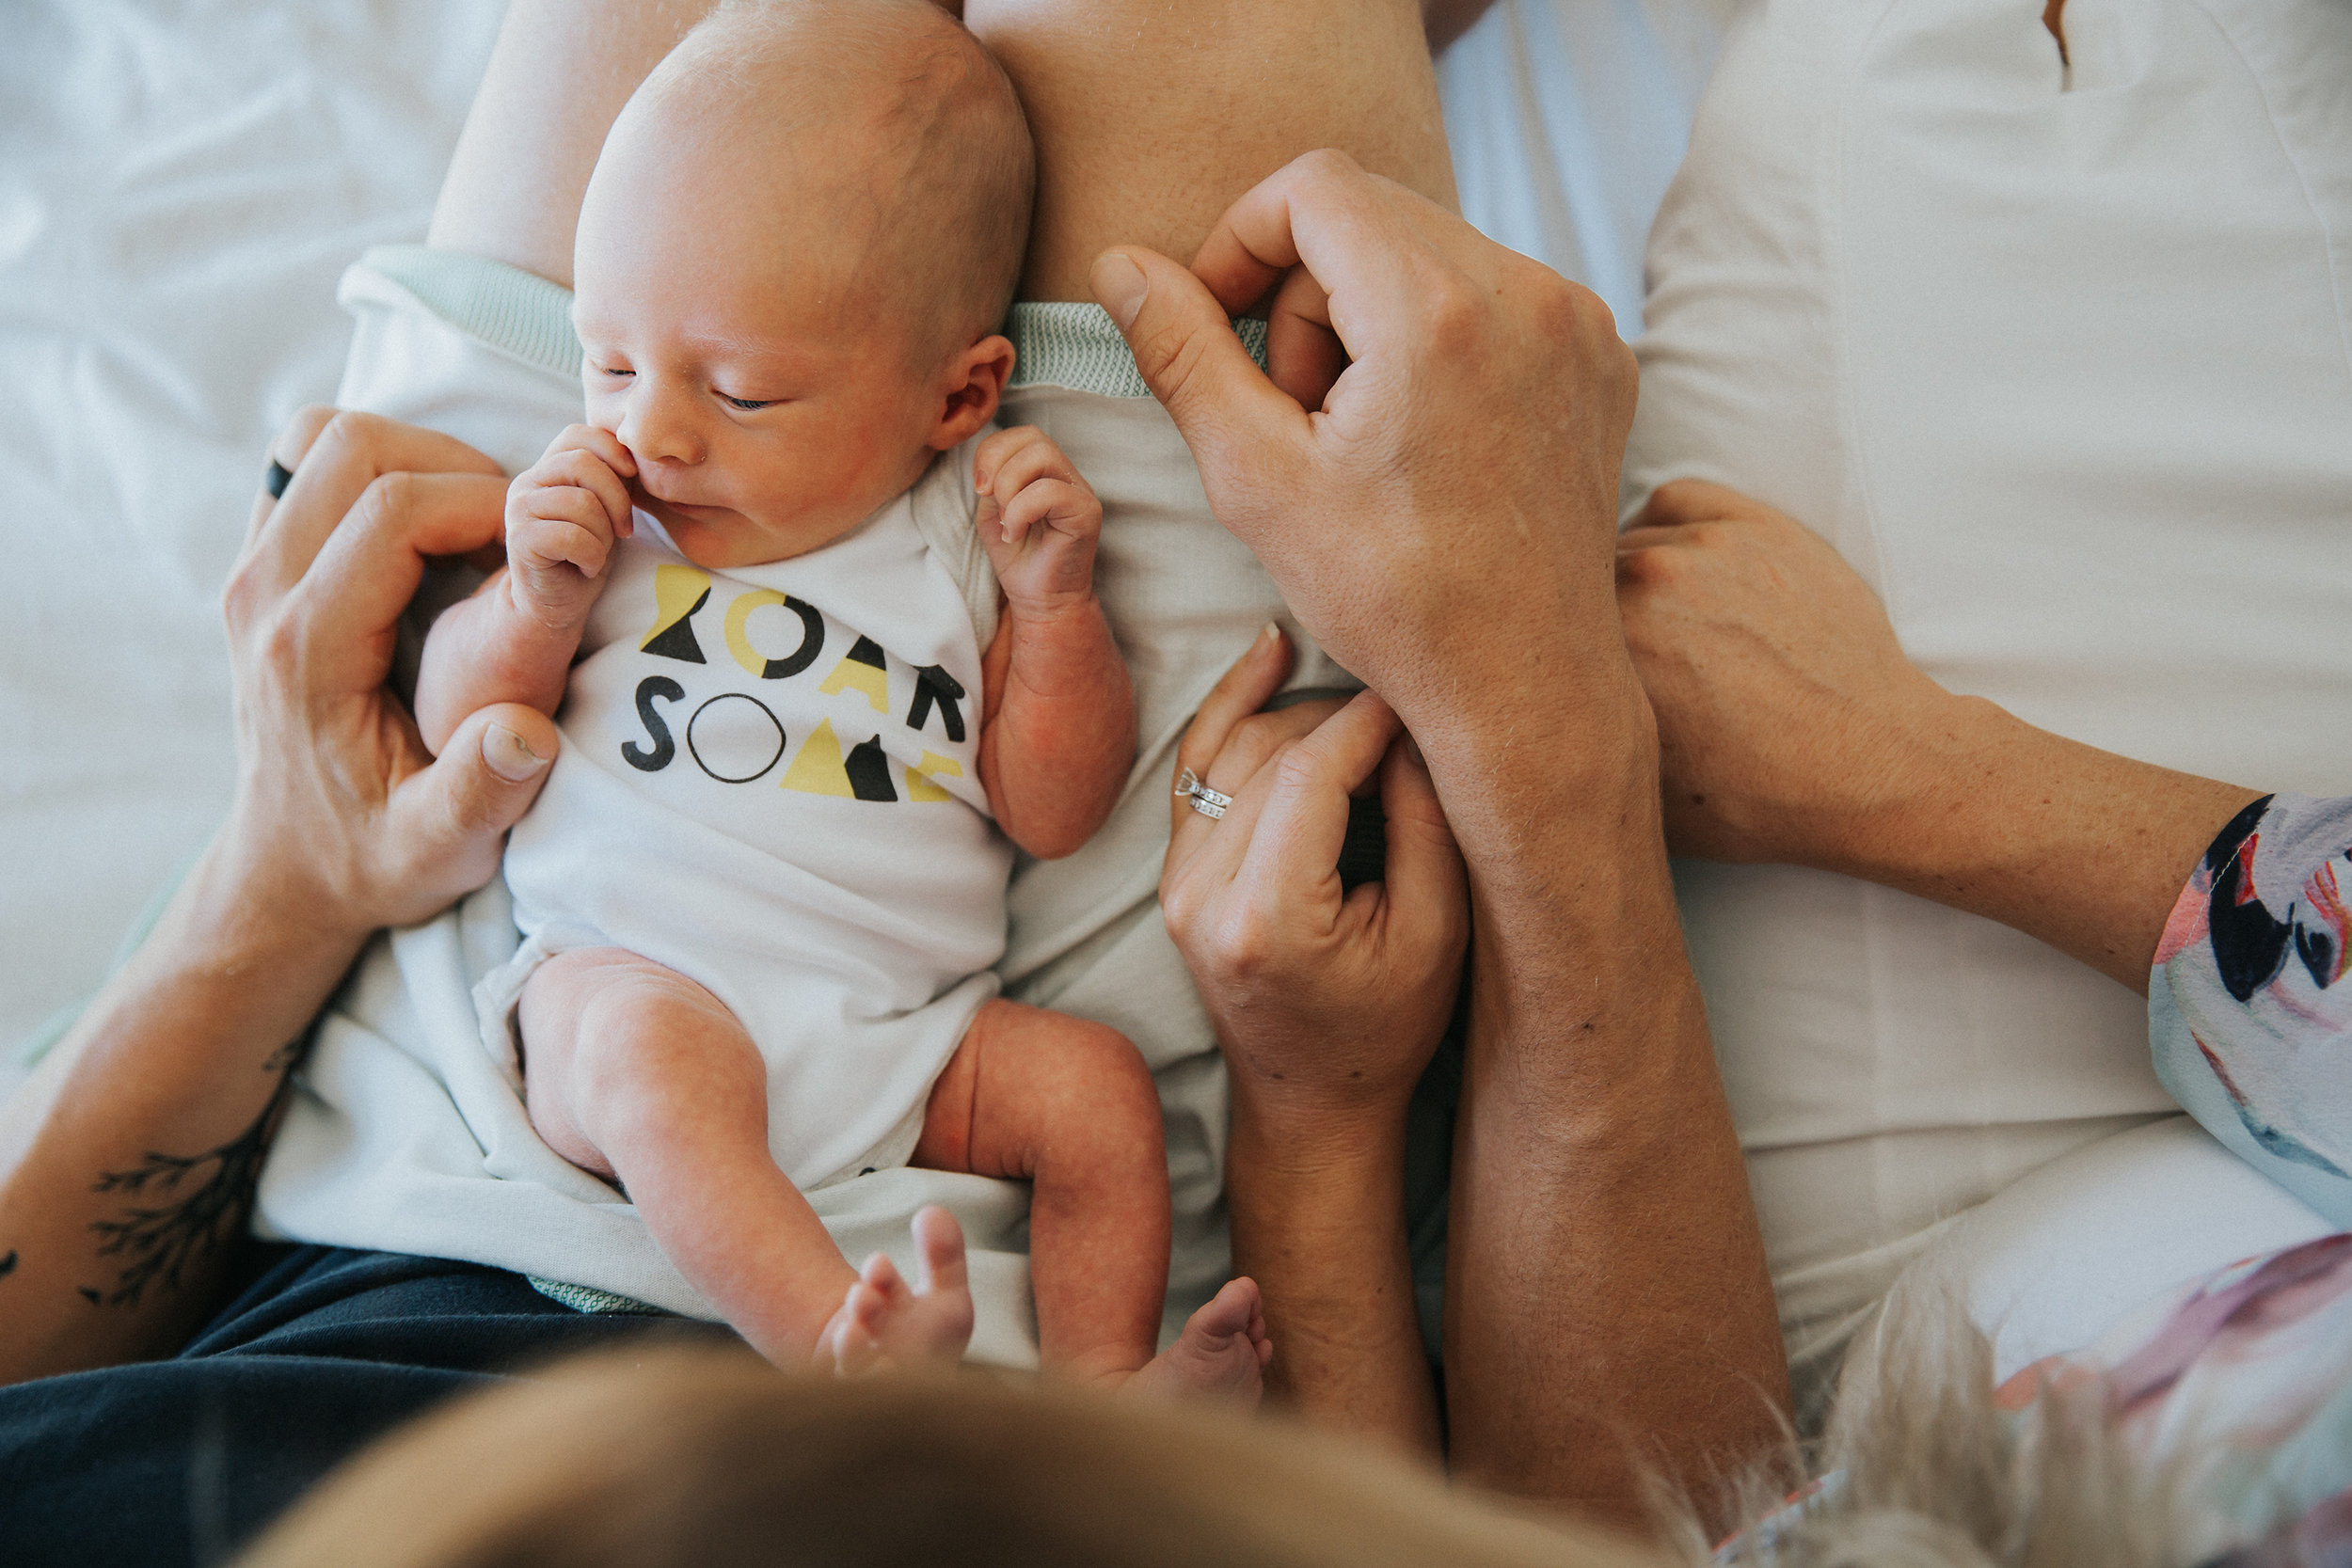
pixel 180 187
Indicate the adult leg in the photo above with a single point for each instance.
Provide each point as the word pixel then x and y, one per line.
pixel 1148 118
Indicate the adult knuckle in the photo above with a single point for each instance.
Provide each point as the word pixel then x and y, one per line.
pixel 243 593
pixel 353 429
pixel 1453 307
pixel 388 497
pixel 1325 166
pixel 1247 943
pixel 1297 769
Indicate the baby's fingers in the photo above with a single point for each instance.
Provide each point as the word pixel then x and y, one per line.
pixel 1012 458
pixel 548 534
pixel 598 442
pixel 1067 508
pixel 584 471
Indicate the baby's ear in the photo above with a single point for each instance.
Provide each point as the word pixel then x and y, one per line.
pixel 975 384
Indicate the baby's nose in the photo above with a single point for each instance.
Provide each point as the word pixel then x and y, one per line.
pixel 657 432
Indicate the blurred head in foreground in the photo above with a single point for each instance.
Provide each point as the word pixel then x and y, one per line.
pixel 713 1460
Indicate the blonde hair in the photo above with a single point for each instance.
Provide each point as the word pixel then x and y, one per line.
pixel 951 190
pixel 1930 1472
pixel 713 1459
pixel 676 1457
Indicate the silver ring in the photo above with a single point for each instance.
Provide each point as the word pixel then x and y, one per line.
pixel 1207 802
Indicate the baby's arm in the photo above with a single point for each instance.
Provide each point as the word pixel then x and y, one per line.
pixel 1058 719
pixel 513 640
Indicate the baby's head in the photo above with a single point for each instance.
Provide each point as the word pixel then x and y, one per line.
pixel 793 259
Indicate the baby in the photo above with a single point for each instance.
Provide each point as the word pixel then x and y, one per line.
pixel 822 646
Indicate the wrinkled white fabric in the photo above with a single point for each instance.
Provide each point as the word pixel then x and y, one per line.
pixel 2058 360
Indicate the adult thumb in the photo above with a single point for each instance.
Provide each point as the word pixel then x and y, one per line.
pixel 1185 348
pixel 484 779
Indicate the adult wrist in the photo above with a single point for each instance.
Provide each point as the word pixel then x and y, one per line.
pixel 1291 1138
pixel 257 898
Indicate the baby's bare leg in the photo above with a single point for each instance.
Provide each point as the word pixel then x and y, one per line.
pixel 635 1072
pixel 1070 1107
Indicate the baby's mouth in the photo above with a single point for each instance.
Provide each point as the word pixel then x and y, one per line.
pixel 671 511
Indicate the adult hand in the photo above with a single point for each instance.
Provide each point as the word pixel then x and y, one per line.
pixel 1431 473
pixel 341 812
pixel 341 824
pixel 1792 729
pixel 1328 1004
pixel 1787 714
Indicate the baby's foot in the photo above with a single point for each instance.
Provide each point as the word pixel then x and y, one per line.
pixel 1222 1352
pixel 885 1323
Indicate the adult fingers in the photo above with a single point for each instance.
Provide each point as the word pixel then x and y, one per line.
pixel 1303 355
pixel 285 450
pixel 350 453
pixel 348 602
pixel 1379 251
pixel 1693 500
pixel 1425 872
pixel 1302 818
pixel 1185 348
pixel 1242 690
pixel 447 818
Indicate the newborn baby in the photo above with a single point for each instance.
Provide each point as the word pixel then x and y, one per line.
pixel 819 649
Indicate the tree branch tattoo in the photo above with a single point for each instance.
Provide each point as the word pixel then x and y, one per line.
pixel 187 1206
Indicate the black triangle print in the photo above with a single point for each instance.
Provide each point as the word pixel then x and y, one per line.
pixel 868 650
pixel 676 640
pixel 870 771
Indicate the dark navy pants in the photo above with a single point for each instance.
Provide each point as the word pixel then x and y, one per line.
pixel 320 1351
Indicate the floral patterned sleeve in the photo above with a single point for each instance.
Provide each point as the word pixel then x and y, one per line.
pixel 2250 1005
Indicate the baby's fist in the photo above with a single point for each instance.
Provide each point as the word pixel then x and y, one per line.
pixel 563 514
pixel 1038 519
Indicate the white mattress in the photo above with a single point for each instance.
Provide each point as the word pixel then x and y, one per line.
pixel 180 189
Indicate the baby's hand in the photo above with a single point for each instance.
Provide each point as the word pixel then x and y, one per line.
pixel 563 514
pixel 1038 520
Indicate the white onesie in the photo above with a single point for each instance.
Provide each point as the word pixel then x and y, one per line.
pixel 769 783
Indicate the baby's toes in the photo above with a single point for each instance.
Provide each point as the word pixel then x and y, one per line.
pixel 852 1342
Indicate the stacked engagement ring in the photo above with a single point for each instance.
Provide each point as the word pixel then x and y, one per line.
pixel 1207 802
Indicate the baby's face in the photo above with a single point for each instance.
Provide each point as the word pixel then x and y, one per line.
pixel 770 404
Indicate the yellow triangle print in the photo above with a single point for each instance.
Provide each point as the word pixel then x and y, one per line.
pixel 862 669
pixel 933 766
pixel 818 770
pixel 678 592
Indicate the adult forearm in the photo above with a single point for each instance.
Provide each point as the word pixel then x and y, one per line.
pixel 2082 848
pixel 127 1162
pixel 1608 1309
pixel 1318 1221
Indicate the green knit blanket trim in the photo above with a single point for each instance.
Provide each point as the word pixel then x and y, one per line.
pixel 505 307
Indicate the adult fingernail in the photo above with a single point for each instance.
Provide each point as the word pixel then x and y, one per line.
pixel 1120 285
pixel 508 757
pixel 1267 633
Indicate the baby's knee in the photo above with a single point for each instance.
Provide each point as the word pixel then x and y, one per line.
pixel 618 1020
pixel 1116 1103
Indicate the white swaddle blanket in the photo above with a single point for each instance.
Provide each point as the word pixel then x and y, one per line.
pixel 408 1136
